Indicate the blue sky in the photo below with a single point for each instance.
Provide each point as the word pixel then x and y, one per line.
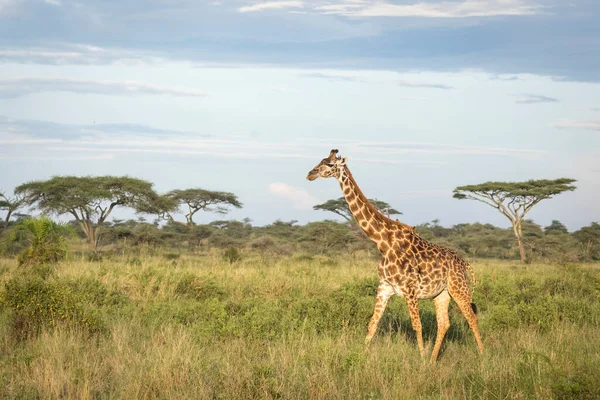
pixel 246 96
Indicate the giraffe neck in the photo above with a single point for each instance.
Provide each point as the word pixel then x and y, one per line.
pixel 370 220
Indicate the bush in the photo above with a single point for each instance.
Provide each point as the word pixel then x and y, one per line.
pixel 268 244
pixel 95 256
pixel 37 304
pixel 191 286
pixel 44 238
pixel 135 261
pixel 172 256
pixel 231 255
pixel 326 237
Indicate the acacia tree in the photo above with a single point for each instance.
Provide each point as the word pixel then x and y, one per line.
pixel 555 228
pixel 89 199
pixel 10 204
pixel 200 199
pixel 515 199
pixel 340 207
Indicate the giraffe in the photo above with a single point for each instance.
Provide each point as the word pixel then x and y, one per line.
pixel 410 266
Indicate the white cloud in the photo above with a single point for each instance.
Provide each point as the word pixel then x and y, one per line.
pixel 397 162
pixel 271 5
pixel 335 77
pixel 29 158
pixel 27 141
pixel 526 98
pixel 248 154
pixel 6 4
pixel 371 8
pixel 445 9
pixel 77 54
pixel 53 2
pixel 300 198
pixel 592 125
pixel 15 87
pixel 345 77
pixel 423 85
pixel 121 139
pixel 424 148
pixel 21 54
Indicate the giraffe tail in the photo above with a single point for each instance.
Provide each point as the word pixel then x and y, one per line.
pixel 474 283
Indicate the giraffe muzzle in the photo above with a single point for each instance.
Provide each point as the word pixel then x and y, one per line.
pixel 312 175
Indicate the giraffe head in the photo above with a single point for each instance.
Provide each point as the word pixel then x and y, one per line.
pixel 331 166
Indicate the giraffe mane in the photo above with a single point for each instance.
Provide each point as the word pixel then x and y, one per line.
pixel 376 213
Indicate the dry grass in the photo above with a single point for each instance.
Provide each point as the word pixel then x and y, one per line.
pixel 162 341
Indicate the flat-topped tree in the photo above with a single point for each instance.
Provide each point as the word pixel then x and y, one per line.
pixel 555 228
pixel 340 207
pixel 89 199
pixel 206 200
pixel 10 204
pixel 515 199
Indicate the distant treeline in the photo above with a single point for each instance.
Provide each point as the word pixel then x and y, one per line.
pixel 551 243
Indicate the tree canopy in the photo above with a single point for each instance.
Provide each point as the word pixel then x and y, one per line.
pixel 90 200
pixel 197 199
pixel 10 204
pixel 515 199
pixel 340 207
pixel 555 228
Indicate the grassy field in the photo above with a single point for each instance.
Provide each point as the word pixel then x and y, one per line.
pixel 198 327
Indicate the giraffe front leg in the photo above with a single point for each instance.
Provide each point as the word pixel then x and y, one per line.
pixel 384 292
pixel 413 309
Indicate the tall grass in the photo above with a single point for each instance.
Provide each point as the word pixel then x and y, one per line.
pixel 293 328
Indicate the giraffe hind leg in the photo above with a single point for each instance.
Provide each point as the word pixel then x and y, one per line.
pixel 469 309
pixel 441 302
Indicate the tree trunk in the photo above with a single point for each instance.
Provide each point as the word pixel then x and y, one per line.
pixel 522 250
pixel 8 214
pixel 93 238
pixel 519 235
pixel 90 233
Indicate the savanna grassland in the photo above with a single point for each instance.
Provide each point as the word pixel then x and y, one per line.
pixel 287 327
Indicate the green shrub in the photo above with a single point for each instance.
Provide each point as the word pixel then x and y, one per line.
pixel 44 240
pixel 582 384
pixel 232 255
pixel 172 256
pixel 326 237
pixel 192 287
pixel 37 304
pixel 95 256
pixel 328 262
pixel 268 244
pixel 303 258
pixel 94 292
pixel 134 261
pixel 365 287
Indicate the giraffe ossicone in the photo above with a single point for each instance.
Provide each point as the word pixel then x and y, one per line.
pixel 410 266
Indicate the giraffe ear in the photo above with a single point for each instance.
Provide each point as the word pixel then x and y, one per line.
pixel 343 161
pixel 332 154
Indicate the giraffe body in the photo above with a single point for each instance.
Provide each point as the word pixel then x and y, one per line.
pixel 410 266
